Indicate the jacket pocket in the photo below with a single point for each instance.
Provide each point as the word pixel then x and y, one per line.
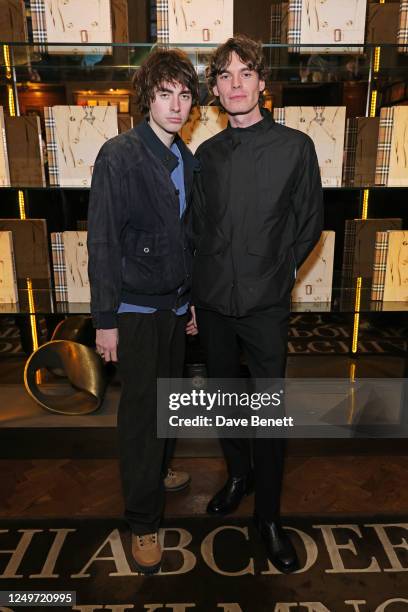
pixel 140 243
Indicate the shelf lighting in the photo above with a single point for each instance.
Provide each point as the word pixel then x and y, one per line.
pixel 357 315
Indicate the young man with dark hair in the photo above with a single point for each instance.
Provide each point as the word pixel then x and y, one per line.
pixel 139 246
pixel 257 215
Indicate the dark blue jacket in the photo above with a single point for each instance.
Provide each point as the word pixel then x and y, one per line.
pixel 140 251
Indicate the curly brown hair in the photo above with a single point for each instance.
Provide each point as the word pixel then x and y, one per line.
pixel 249 52
pixel 163 66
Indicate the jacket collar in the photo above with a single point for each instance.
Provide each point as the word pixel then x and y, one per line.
pixel 166 156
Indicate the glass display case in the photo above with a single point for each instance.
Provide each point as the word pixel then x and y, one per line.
pixel 365 84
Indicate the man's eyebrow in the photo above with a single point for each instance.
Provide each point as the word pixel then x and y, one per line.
pixel 229 72
pixel 167 90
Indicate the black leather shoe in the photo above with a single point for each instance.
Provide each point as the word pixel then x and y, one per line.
pixel 279 549
pixel 229 497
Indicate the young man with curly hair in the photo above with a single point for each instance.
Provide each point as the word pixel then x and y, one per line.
pixel 140 276
pixel 257 215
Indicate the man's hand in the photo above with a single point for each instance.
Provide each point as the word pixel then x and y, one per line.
pixel 107 343
pixel 191 327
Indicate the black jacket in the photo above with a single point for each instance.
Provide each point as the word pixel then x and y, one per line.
pixel 140 251
pixel 257 214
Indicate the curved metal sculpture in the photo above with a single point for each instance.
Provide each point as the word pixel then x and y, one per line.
pixel 82 366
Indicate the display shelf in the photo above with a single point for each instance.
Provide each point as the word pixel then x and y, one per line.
pixel 343 301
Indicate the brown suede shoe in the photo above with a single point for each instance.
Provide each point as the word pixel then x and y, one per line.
pixel 147 552
pixel 176 481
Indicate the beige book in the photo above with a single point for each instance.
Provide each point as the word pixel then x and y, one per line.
pixel 76 266
pixel 326 127
pixel 315 276
pixel 204 122
pixel 76 21
pixel 396 273
pixel 195 21
pixel 4 165
pixel 332 21
pixel 398 171
pixel 79 132
pixel 8 278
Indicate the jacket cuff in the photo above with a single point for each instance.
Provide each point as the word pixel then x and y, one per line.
pixel 104 320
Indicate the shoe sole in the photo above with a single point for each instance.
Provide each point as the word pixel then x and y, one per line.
pixel 147 570
pixel 179 488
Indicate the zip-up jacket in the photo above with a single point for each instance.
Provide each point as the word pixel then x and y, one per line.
pixel 257 214
pixel 140 251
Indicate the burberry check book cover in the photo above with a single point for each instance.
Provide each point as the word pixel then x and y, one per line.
pixel 392 152
pixel 403 27
pixel 194 21
pixel 396 271
pixel 380 264
pixel 324 22
pixel 315 276
pixel 359 243
pixel 59 268
pixel 8 278
pixel 71 21
pixel 74 136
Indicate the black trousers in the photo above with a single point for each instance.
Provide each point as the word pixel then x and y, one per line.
pixel 262 336
pixel 150 346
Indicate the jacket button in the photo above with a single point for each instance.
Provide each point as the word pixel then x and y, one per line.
pixel 146 250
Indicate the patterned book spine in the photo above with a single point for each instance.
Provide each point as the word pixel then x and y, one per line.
pixel 162 12
pixel 53 172
pixel 38 23
pixel 295 17
pixel 350 148
pixel 380 265
pixel 279 115
pixel 348 253
pixel 382 168
pixel 60 272
pixel 403 27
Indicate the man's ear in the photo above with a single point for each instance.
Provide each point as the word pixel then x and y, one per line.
pixel 261 85
pixel 215 91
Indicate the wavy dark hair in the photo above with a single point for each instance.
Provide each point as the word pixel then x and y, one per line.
pixel 163 65
pixel 250 53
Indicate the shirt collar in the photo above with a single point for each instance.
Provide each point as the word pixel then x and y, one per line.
pixel 158 148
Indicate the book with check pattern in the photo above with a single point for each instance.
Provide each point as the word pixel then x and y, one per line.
pixel 380 264
pixel 8 277
pixel 75 135
pixel 59 268
pixel 392 158
pixel 359 244
pixel 71 21
pixel 403 27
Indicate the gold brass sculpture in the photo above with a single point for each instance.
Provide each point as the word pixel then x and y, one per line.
pixel 83 368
